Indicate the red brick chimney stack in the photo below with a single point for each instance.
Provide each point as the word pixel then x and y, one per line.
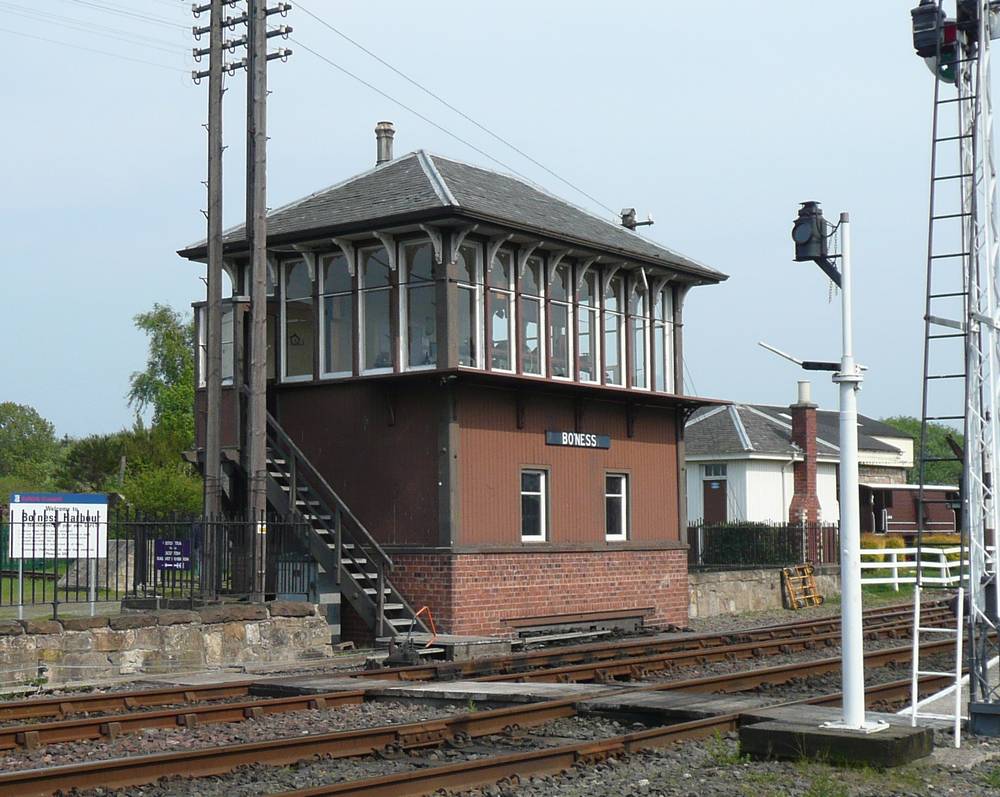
pixel 805 503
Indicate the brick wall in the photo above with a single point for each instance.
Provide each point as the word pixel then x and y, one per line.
pixel 879 474
pixel 804 498
pixel 475 593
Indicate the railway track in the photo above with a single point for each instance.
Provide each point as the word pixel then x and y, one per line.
pixel 135 770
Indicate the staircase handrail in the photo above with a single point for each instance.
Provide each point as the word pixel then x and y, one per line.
pixel 320 485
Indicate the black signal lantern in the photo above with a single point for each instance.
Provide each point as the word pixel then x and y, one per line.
pixel 809 233
pixel 928 27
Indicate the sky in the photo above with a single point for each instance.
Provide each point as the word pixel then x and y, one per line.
pixel 717 122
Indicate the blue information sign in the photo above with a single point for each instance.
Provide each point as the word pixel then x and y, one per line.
pixel 172 554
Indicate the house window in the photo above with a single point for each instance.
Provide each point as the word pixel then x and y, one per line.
pixel 533 317
pixel 297 322
pixel 376 290
pixel 616 506
pixel 614 339
pixel 337 299
pixel 470 302
pixel 534 511
pixel 561 294
pixel 227 344
pixel 715 471
pixel 418 301
pixel 663 341
pixel 639 321
pixel 588 327
pixel 501 311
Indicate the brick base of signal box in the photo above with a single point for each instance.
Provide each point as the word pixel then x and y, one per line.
pixel 481 593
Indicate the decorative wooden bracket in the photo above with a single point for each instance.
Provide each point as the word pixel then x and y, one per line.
pixel 659 284
pixel 350 251
pixel 554 260
pixel 583 268
pixel 436 241
pixel 232 268
pixel 458 236
pixel 633 283
pixel 493 246
pixel 608 275
pixel 309 255
pixel 389 242
pixel 523 254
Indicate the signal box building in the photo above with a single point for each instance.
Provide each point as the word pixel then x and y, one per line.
pixel 487 381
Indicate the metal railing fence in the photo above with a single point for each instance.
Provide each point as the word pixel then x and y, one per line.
pixel 741 546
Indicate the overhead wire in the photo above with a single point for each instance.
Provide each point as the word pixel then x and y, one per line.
pixel 93 50
pixel 113 9
pixel 452 107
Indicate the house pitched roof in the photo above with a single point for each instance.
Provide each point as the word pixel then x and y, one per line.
pixel 421 182
pixel 767 431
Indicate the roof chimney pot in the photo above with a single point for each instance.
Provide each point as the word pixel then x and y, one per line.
pixel 805 392
pixel 384 131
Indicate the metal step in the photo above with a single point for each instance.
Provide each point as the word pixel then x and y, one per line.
pixel 373 591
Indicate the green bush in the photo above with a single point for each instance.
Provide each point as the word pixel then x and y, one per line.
pixel 164 490
pixel 873 541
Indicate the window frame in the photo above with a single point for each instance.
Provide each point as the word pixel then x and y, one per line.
pixel 283 268
pixel 363 292
pixel 324 296
pixel 543 496
pixel 621 314
pixel 511 293
pixel 567 303
pixel 638 290
pixel 476 289
pixel 539 299
pixel 625 511
pixel 594 312
pixel 404 296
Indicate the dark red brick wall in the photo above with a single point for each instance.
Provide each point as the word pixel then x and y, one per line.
pixel 476 593
pixel 804 498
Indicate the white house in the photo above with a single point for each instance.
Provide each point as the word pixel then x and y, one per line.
pixel 748 462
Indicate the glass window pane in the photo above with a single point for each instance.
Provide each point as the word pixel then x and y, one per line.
pixel 500 330
pixel 639 373
pixel 531 343
pixel 587 342
pixel 531 516
pixel 587 294
pixel 378 334
pixel 560 340
pixel 375 268
pixel 468 270
pixel 297 282
pixel 560 288
pixel 421 326
pixel 612 294
pixel 659 356
pixel 500 270
pixel 613 506
pixel 419 262
pixel 531 281
pixel 467 326
pixel 612 349
pixel 338 341
pixel 299 337
pixel 227 344
pixel 336 278
pixel 531 481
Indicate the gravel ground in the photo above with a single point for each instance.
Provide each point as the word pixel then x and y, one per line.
pixel 271 726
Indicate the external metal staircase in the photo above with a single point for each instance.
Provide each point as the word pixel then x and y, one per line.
pixel 350 561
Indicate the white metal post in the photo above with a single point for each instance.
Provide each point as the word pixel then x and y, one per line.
pixel 852 636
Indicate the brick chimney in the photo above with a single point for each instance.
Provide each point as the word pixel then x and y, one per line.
pixel 804 500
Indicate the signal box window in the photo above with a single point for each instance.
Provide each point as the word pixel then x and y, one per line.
pixel 534 515
pixel 616 506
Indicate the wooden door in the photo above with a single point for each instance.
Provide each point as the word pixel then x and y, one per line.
pixel 714 501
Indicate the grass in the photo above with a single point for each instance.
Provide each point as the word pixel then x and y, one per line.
pixel 722 752
pixel 992 778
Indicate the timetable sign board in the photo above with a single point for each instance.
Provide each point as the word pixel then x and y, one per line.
pixel 577 439
pixel 58 526
pixel 172 554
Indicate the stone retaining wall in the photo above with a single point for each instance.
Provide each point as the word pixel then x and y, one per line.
pixel 737 591
pixel 94 648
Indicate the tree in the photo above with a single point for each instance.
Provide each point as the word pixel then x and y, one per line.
pixel 164 489
pixel 28 445
pixel 167 384
pixel 92 464
pixel 937 446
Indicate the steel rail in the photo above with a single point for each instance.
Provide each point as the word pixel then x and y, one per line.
pixel 135 770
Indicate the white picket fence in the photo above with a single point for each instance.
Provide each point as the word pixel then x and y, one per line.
pixel 902 564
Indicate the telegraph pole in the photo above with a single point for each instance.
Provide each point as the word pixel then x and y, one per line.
pixel 256 227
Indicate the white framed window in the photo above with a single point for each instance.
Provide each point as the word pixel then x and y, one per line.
pixel 614 334
pixel 561 321
pixel 715 471
pixel 588 331
pixel 469 261
pixel 663 341
pixel 532 335
pixel 616 506
pixel 639 327
pixel 534 505
pixel 500 326
pixel 417 306
pixel 375 287
pixel 337 312
pixel 298 321
pixel 228 352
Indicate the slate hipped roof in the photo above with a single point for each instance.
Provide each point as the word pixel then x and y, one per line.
pixel 765 430
pixel 421 184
